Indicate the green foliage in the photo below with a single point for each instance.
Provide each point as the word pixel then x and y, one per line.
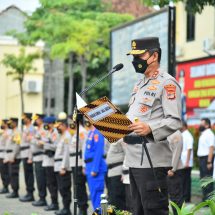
pixel 19 65
pixel 194 6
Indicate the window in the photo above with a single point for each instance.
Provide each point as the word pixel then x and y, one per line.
pixel 190 26
pixel 52 103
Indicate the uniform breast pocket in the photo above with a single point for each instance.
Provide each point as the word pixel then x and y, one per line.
pixel 145 107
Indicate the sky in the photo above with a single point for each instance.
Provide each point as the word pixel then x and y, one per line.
pixel 25 5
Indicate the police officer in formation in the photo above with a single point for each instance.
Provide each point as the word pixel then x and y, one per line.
pixel 49 143
pixel 12 156
pixel 154 109
pixel 62 165
pixel 27 135
pixel 4 171
pixel 81 178
pixel 37 156
pixel 95 165
pixel 116 189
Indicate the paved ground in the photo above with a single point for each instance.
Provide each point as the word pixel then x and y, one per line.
pixel 15 207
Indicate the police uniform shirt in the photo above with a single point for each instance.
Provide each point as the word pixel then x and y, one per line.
pixel 4 138
pixel 27 136
pixel 72 147
pixel 157 102
pixel 115 158
pixel 62 153
pixel 176 144
pixel 36 148
pixel 49 146
pixel 187 144
pixel 13 146
pixel 206 140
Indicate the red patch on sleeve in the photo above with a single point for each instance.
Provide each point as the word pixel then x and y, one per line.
pixel 170 91
pixel 96 137
pixel 143 108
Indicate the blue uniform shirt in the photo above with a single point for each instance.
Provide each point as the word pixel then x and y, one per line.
pixel 95 153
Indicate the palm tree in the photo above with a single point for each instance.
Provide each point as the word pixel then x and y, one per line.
pixel 18 66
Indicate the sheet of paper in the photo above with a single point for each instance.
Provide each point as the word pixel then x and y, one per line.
pixel 107 118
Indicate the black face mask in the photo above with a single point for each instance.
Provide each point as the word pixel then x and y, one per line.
pixel 23 122
pixel 59 131
pixel 140 65
pixel 35 124
pixel 2 127
pixel 201 128
pixel 46 127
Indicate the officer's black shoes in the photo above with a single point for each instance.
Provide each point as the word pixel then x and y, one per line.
pixel 27 198
pixel 64 211
pixel 51 207
pixel 4 190
pixel 12 195
pixel 39 203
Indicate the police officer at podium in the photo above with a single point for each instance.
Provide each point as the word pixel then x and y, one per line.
pixel 154 109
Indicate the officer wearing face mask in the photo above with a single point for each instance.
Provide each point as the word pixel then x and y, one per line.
pixel 155 110
pixel 206 153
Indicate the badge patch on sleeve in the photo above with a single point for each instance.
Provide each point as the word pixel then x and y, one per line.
pixel 155 82
pixel 170 91
pixel 96 138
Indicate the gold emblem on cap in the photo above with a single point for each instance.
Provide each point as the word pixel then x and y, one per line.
pixel 134 45
pixel 140 66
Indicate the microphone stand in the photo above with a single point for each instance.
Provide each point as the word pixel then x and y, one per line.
pixel 76 118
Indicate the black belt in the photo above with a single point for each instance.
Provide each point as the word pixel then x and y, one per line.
pixel 91 159
pixel 110 166
pixel 49 153
pixel 134 139
pixel 125 172
pixel 2 150
pixel 9 150
pixel 24 147
pixel 73 154
pixel 38 153
pixel 59 159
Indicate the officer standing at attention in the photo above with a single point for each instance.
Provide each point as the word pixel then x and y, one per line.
pixel 154 109
pixel 49 145
pixel 12 157
pixel 96 166
pixel 81 178
pixel 4 137
pixel 25 151
pixel 116 188
pixel 37 156
pixel 62 165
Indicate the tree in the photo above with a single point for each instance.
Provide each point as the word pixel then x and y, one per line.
pixel 18 67
pixel 195 6
pixel 77 30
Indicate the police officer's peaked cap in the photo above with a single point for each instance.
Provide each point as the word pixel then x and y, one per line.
pixel 49 119
pixel 13 119
pixel 140 46
pixel 38 116
pixel 27 115
pixel 5 121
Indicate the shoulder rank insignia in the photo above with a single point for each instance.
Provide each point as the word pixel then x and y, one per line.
pixel 170 91
pixel 152 88
pixel 155 82
pixel 96 137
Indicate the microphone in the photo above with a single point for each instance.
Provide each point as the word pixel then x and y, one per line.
pixel 117 68
pixel 114 69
